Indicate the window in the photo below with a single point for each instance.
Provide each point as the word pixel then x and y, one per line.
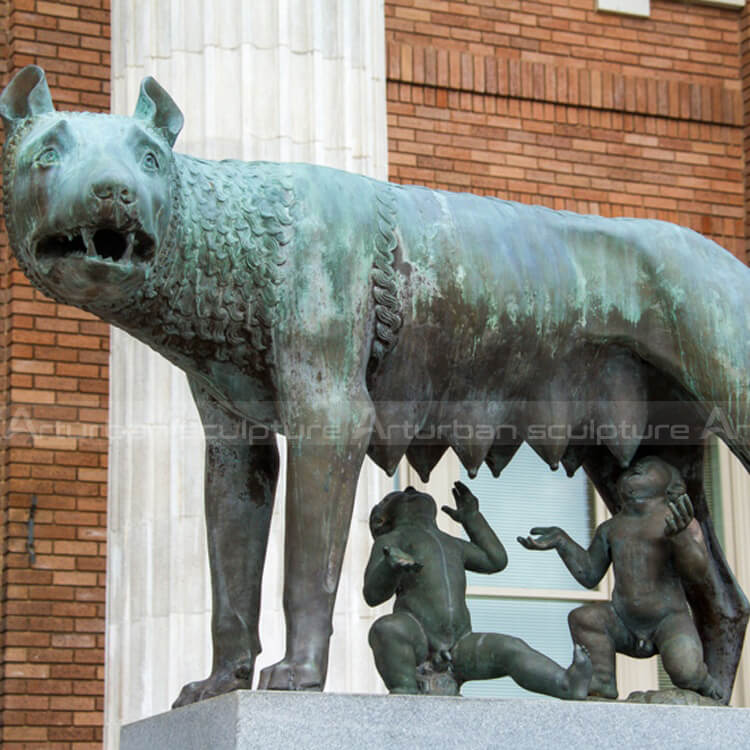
pixel 642 7
pixel 629 7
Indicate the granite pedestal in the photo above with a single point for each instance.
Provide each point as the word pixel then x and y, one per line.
pixel 300 721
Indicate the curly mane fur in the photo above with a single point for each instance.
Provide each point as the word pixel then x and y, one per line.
pixel 218 287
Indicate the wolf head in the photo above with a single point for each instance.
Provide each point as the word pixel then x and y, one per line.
pixel 89 198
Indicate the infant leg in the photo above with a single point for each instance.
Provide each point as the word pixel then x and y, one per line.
pixel 399 645
pixel 598 628
pixel 681 653
pixel 484 656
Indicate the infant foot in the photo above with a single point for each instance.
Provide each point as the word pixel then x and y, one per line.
pixel 711 689
pixel 579 673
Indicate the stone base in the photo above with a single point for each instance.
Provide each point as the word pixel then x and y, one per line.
pixel 302 721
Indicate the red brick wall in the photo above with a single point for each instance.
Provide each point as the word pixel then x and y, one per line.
pixel 555 103
pixel 55 367
pixel 4 282
pixel 680 41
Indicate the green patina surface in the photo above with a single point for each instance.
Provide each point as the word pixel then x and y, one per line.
pixel 315 302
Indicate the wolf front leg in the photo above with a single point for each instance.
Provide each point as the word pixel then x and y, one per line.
pixel 240 484
pixel 326 448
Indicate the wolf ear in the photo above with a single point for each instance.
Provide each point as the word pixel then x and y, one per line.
pixel 158 109
pixel 25 96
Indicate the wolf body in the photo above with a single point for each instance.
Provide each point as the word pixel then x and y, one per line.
pixel 355 316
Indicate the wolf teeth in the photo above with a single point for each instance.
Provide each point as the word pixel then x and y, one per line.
pixel 129 249
pixel 88 240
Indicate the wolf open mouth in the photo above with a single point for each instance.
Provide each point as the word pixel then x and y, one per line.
pixel 109 244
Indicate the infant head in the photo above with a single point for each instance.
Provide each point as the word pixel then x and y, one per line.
pixel 406 505
pixel 650 477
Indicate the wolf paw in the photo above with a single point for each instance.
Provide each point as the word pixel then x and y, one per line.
pixel 291 675
pixel 220 681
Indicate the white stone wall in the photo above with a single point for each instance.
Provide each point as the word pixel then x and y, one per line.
pixel 287 80
pixel 735 493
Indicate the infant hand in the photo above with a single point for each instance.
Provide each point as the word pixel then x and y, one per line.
pixel 680 516
pixel 399 559
pixel 548 537
pixel 466 504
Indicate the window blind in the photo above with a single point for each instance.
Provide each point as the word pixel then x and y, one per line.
pixel 529 494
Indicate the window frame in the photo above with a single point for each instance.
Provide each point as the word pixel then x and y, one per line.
pixel 642 8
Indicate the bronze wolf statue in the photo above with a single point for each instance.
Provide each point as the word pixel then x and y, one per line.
pixel 360 317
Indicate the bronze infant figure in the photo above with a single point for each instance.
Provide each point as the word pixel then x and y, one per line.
pixel 654 544
pixel 429 632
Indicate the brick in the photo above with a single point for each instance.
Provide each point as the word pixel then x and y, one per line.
pixel 25 734
pixel 32 366
pixel 29 671
pixel 56 353
pixel 20 18
pixel 32 396
pixel 15 654
pixel 63 609
pixel 87 718
pixel 76 672
pixel 77 370
pixel 57 324
pixel 72 703
pixel 32 337
pixel 80 27
pixel 55 562
pixel 97 563
pixel 64 10
pixel 95 357
pixel 89 656
pixel 93 14
pixel 56 383
pixel 74 734
pixel 93 688
pixel 49 687
pixel 78 458
pixel 73 578
pixel 17 380
pixel 54 442
pixel 92 475
pixel 53 472
pixel 34 49
pixel 27 702
pixel 79 341
pixel 95 43
pixel 27 639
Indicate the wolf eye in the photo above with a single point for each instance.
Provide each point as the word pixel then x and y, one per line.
pixel 150 162
pixel 48 157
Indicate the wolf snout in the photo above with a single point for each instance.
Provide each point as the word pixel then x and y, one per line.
pixel 110 188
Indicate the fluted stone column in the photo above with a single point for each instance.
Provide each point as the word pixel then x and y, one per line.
pixel 734 493
pixel 287 80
